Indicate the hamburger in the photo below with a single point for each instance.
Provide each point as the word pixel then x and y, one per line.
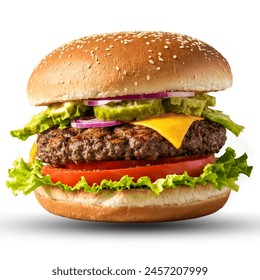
pixel 129 132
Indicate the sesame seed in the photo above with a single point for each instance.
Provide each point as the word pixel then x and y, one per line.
pixel 150 51
pixel 174 56
pixel 117 68
pixel 148 78
pixel 158 68
pixel 166 47
pixel 136 84
pixel 124 72
pixel 151 61
pixel 161 59
pixel 69 63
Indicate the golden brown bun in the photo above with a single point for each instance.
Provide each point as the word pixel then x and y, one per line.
pixel 138 205
pixel 124 63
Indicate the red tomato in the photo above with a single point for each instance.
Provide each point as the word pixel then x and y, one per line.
pixel 96 172
pixel 118 164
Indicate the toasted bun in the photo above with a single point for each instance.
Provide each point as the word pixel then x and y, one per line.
pixel 139 205
pixel 124 63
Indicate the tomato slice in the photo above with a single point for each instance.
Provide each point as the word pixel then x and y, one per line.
pixel 118 164
pixel 72 175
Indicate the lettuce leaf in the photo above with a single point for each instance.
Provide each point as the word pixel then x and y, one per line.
pixel 58 114
pixel 198 106
pixel 25 177
pixel 221 118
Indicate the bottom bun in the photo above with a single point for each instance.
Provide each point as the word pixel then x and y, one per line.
pixel 135 205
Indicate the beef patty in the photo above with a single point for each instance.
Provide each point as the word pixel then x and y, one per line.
pixel 59 146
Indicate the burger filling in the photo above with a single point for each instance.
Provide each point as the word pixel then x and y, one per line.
pixel 164 133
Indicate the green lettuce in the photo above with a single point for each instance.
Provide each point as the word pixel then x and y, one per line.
pixel 25 177
pixel 58 114
pixel 199 106
pixel 221 118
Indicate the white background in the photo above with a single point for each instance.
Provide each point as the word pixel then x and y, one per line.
pixel 32 241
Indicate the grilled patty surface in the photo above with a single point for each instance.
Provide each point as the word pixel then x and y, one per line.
pixel 60 146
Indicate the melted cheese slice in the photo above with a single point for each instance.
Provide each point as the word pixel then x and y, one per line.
pixel 171 126
pixel 33 152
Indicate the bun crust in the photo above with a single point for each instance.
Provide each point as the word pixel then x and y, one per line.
pixel 115 64
pixel 139 205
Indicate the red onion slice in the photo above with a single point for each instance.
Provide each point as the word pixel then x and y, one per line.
pixel 97 102
pixel 167 94
pixel 92 123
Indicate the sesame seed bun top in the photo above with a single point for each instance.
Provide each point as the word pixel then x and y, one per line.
pixel 115 64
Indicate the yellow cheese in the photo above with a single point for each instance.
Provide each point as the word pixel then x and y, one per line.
pixel 171 126
pixel 33 153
